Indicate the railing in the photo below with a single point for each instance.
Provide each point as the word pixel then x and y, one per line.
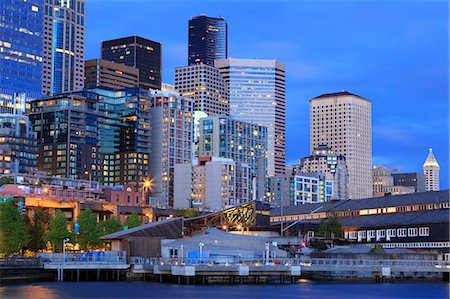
pixel 315 264
pixel 99 257
pixel 20 261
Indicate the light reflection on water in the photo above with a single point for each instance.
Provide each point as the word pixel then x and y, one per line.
pixel 304 288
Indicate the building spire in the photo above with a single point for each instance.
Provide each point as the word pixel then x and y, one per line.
pixel 431 160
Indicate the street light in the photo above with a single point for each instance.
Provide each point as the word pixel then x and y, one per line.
pixel 201 244
pixel 145 184
pixel 64 258
pixel 90 182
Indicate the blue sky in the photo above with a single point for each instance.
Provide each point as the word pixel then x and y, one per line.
pixel 395 53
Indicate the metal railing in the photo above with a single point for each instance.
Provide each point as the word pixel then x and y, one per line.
pixel 20 261
pixel 319 264
pixel 99 257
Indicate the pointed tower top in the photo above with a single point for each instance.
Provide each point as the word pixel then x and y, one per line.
pixel 431 160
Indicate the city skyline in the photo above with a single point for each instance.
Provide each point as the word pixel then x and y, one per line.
pixel 344 58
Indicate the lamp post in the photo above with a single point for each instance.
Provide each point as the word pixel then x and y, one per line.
pixel 201 244
pixel 90 182
pixel 63 258
pixel 145 184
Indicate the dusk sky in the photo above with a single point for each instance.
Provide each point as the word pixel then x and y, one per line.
pixel 392 52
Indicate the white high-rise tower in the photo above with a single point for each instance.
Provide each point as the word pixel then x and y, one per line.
pixel 431 170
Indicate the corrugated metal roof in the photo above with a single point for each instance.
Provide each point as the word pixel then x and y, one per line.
pixel 368 203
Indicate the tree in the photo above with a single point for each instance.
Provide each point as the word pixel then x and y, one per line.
pixel 89 236
pixel 190 213
pixel 323 229
pixel 6 180
pixel 133 220
pixel 110 226
pixel 13 233
pixel 57 231
pixel 37 228
pixel 330 229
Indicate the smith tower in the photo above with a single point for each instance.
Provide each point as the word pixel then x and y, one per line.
pixel 431 170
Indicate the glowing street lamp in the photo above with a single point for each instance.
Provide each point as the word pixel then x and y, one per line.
pixel 146 184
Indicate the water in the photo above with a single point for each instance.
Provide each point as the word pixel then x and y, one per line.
pixel 303 289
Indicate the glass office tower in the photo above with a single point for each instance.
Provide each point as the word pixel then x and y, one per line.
pixel 137 52
pixel 208 39
pixel 21 27
pixel 256 91
pixel 63 60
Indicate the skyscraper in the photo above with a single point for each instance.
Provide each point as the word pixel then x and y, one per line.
pixel 431 170
pixel 208 39
pixel 343 121
pixel 206 86
pixel 63 60
pixel 21 39
pixel 171 142
pixel 137 52
pixel 256 91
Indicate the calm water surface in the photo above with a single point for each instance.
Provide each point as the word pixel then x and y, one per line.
pixel 303 289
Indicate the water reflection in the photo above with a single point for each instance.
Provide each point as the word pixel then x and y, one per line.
pixel 34 291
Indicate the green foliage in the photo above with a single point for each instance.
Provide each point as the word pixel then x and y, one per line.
pixel 110 226
pixel 13 233
pixel 6 180
pixel 57 231
pixel 318 244
pixel 37 229
pixel 323 229
pixel 189 213
pixel 330 229
pixel 133 220
pixel 89 236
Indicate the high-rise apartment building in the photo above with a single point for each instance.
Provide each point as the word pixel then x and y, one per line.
pixel 243 142
pixel 21 42
pixel 412 179
pixel 431 170
pixel 18 146
pixel 138 52
pixel 256 91
pixel 323 160
pixel 104 73
pixel 63 59
pixel 97 134
pixel 211 183
pixel 206 86
pixel 208 40
pixel 171 142
pixel 343 121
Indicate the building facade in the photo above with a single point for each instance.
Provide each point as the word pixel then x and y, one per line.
pixel 256 91
pixel 171 143
pixel 215 184
pixel 413 179
pixel 98 135
pixel 431 170
pixel 243 142
pixel 204 84
pixel 323 160
pixel 208 40
pixel 18 145
pixel 64 41
pixel 21 42
pixel 311 188
pixel 343 121
pixel 104 73
pixel 138 52
pixel 382 178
